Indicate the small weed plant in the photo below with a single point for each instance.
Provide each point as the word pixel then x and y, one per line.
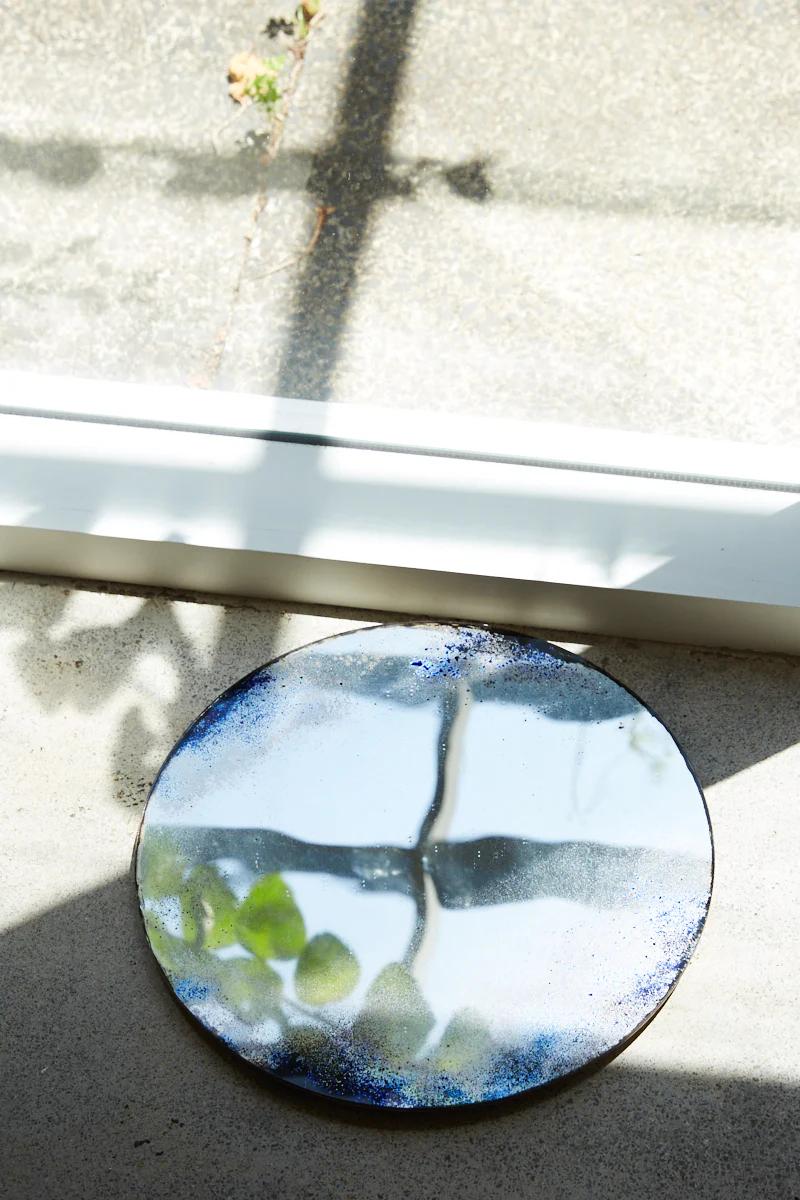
pixel 265 87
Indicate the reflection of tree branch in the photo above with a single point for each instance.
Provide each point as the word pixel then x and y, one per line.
pixel 447 748
pixel 501 870
pixel 484 871
pixel 453 717
pixel 417 881
pixel 377 868
pixel 446 769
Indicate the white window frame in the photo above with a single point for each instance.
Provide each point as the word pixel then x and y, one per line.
pixel 440 515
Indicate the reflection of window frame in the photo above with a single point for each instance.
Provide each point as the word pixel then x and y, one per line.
pixel 433 515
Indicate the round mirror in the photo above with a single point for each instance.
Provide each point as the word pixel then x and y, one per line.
pixel 424 865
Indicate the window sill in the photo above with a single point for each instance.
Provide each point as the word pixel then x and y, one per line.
pixel 324 504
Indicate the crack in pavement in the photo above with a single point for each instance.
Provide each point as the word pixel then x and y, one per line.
pixel 208 377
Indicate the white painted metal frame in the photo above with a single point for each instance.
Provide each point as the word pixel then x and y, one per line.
pixel 510 522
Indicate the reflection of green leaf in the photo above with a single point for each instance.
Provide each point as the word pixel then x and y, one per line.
pixel 395 1019
pixel 269 923
pixel 175 956
pixel 326 970
pixel 312 1045
pixel 466 1042
pixel 208 908
pixel 160 869
pixel 250 987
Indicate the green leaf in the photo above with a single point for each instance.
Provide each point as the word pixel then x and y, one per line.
pixel 208 909
pixel 396 1019
pixel 250 987
pixel 326 970
pixel 264 88
pixel 160 869
pixel 466 1043
pixel 269 923
pixel 175 956
pixel 312 1045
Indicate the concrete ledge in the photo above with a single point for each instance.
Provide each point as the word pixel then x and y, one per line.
pixel 374 509
pixel 295 578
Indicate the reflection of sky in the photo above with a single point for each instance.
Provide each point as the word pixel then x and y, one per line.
pixel 545 964
pixel 528 776
pixel 323 763
pixel 363 775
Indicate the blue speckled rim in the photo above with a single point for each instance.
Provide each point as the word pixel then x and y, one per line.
pixel 407 1113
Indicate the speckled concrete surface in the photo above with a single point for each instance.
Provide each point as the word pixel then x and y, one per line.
pixel 124 196
pixel 108 1091
pixel 563 212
